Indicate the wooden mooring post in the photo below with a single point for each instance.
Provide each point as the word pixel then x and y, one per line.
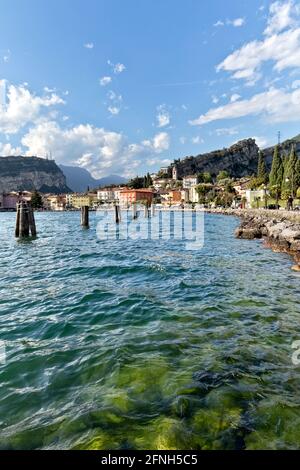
pixel 25 223
pixel 85 216
pixel 117 214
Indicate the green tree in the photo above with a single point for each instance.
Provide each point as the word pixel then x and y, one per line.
pixel 285 190
pixel 262 173
pixel 276 174
pixel 297 176
pixel 290 174
pixel 223 175
pixel 207 178
pixel 137 183
pixel 36 200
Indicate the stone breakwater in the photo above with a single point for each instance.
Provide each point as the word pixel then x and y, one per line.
pixel 280 230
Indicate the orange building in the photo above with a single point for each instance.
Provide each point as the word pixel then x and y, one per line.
pixel 130 196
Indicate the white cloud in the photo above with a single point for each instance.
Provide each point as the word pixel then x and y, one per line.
pixel 275 105
pixel 115 107
pixel 235 97
pixel 6 56
pixel 262 142
pixel 7 150
pixel 227 131
pixel 96 149
pixel 182 140
pixel 238 22
pixel 281 47
pixel 281 16
pixel 89 45
pixel 163 116
pixel 114 110
pixel 117 68
pixel 105 80
pixel 296 84
pixel 197 140
pixel 215 99
pixel 161 142
pixel 21 107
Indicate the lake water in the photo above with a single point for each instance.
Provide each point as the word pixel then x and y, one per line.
pixel 124 344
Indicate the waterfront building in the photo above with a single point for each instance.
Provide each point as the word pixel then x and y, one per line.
pixel 193 194
pixel 254 197
pixel 107 194
pixel 77 200
pixel 161 183
pixel 55 202
pixel 189 181
pixel 130 196
pixel 8 201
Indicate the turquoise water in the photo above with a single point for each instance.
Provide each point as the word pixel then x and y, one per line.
pixel 145 345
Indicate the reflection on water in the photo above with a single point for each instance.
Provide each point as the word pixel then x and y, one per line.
pixel 144 345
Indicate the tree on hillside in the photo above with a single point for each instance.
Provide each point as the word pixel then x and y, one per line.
pixel 262 174
pixel 276 175
pixel 36 200
pixel 207 178
pixel 223 175
pixel 297 171
pixel 289 183
pixel 136 183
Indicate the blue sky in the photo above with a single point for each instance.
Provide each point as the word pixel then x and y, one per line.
pixel 127 86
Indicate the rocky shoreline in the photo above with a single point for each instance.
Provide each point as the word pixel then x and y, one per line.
pixel 279 230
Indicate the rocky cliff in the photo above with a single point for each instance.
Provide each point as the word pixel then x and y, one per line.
pixel 239 160
pixel 29 173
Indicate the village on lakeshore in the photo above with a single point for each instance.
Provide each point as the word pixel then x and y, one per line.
pixel 279 189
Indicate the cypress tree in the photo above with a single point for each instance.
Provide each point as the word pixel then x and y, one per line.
pixel 297 172
pixel 291 172
pixel 276 174
pixel 285 187
pixel 276 163
pixel 261 168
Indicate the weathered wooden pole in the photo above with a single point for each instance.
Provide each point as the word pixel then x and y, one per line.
pixel 17 229
pixel 85 216
pixel 31 220
pixel 117 214
pixel 24 221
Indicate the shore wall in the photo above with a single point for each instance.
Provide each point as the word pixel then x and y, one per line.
pixel 279 230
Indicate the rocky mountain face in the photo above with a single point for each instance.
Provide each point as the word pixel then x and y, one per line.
pixel 29 173
pixel 239 160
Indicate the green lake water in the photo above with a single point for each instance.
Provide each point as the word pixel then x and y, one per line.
pixel 143 344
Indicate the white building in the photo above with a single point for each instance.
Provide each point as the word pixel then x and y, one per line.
pixel 256 196
pixel 193 194
pixel 189 181
pixel 161 183
pixel 106 194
